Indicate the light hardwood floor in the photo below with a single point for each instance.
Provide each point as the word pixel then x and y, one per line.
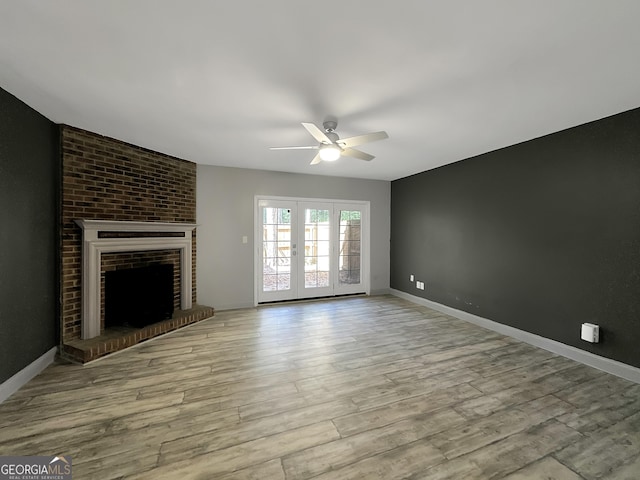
pixel 355 388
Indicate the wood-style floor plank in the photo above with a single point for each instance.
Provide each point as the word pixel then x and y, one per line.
pixel 353 388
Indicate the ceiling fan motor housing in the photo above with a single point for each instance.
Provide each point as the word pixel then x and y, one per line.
pixel 330 125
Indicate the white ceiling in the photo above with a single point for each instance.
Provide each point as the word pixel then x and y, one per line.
pixel 218 82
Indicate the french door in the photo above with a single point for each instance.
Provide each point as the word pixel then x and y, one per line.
pixel 309 248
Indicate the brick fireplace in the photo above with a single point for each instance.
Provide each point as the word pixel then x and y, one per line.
pixel 123 206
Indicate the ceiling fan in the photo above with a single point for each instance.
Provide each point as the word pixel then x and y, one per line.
pixel 331 147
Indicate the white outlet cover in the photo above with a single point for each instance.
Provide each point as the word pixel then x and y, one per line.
pixel 590 332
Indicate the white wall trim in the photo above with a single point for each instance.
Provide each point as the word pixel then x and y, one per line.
pixel 16 382
pixel 613 367
pixel 381 291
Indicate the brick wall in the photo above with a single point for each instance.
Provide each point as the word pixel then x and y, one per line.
pixel 106 179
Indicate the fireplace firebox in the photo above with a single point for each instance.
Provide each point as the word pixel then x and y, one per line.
pixel 138 297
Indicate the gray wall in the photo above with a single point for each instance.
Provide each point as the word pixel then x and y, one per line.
pixel 29 169
pixel 225 208
pixel 541 236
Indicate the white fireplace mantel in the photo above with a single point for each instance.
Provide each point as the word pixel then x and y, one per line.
pixel 93 246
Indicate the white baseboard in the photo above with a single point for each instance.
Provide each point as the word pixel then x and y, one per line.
pixel 614 367
pixel 13 384
pixel 381 291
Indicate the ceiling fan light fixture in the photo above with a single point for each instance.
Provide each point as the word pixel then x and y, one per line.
pixel 329 153
pixel 330 147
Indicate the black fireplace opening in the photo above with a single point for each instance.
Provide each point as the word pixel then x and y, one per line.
pixel 138 297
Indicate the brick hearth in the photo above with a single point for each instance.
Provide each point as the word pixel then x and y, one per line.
pixel 115 339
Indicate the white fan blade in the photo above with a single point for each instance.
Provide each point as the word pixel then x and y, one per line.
pixel 360 139
pixel 316 133
pixel 352 152
pixel 309 147
pixel 316 160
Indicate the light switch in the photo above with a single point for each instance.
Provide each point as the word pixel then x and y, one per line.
pixel 245 239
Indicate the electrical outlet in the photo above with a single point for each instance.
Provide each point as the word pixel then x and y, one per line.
pixel 420 285
pixel 590 332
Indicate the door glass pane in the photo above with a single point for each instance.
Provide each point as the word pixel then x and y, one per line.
pixel 349 260
pixel 317 239
pixel 276 249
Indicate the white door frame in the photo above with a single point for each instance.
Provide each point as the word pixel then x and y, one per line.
pixel 365 236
